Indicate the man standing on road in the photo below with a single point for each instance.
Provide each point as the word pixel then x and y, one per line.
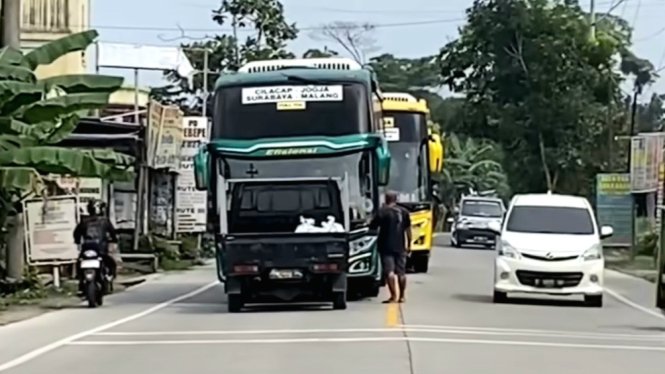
pixel 394 242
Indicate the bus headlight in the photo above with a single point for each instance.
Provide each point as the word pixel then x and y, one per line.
pixel 361 245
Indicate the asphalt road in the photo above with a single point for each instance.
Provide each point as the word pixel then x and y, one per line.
pixel 175 325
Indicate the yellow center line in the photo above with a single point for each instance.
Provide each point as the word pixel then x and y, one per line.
pixel 392 315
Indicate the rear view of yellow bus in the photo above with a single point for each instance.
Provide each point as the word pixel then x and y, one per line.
pixel 416 154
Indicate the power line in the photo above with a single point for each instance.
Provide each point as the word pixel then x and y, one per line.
pixel 308 28
pixel 392 11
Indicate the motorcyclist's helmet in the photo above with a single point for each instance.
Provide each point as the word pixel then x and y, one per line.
pixel 95 207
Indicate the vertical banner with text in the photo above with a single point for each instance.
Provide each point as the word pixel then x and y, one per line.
pixel 646 151
pixel 191 204
pixel 614 207
pixel 164 136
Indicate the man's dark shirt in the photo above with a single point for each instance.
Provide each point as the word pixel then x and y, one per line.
pixel 96 229
pixel 392 222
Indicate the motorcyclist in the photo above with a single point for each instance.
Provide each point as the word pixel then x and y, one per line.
pixel 95 232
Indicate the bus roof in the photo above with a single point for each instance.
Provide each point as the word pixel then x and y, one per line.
pixel 403 102
pixel 282 76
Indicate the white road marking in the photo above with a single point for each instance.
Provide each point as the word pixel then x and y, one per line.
pixel 368 339
pixel 50 347
pixel 633 304
pixel 512 330
pixel 442 330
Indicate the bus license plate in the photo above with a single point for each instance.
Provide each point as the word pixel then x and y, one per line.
pixel 285 274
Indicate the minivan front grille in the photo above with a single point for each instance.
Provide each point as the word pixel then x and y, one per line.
pixel 543 279
pixel 543 258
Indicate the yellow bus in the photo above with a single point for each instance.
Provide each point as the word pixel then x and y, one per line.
pixel 416 153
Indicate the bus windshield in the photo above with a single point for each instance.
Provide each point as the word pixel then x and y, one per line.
pixel 296 109
pixel 407 173
pixel 357 166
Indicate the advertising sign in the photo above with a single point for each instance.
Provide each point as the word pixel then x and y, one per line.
pixel 164 136
pixel 85 189
pixel 191 204
pixel 614 207
pixel 646 153
pixel 49 228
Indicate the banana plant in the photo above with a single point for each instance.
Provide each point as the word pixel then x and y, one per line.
pixel 36 114
pixel 470 165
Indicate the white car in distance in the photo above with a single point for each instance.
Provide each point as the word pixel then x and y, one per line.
pixel 550 244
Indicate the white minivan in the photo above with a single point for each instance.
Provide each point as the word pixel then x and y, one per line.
pixel 550 244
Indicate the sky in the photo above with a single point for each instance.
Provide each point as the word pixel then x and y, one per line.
pixel 405 29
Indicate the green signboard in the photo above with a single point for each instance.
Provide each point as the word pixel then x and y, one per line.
pixel 614 207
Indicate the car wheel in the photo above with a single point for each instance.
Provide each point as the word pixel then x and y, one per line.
pixel 499 297
pixel 595 301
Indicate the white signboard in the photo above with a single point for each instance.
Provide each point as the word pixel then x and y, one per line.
pixel 391 134
pixel 278 94
pixel 85 188
pixel 191 204
pixel 49 230
pixel 124 209
pixel 135 56
pixel 646 155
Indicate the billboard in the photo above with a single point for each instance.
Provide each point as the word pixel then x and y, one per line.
pixel 646 151
pixel 614 207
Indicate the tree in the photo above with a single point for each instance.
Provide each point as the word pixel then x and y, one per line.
pixel 268 34
pixel 37 114
pixel 471 164
pixel 317 53
pixel 354 38
pixel 419 77
pixel 539 86
pixel 651 116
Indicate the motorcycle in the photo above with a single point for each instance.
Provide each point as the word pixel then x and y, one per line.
pixel 96 280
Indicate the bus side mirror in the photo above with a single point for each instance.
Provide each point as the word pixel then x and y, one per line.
pixel 202 169
pixel 383 163
pixel 435 153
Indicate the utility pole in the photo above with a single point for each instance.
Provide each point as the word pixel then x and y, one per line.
pixel 592 19
pixel 11 37
pixel 11 24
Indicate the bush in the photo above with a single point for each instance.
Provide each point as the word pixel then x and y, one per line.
pixel 647 244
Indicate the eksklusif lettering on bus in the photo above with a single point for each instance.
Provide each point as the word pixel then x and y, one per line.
pixel 276 94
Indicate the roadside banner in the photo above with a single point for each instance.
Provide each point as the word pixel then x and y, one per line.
pixel 614 207
pixel 191 204
pixel 49 228
pixel 164 136
pixel 85 189
pixel 646 152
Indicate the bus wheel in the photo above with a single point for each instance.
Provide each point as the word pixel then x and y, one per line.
pixel 421 264
pixel 234 302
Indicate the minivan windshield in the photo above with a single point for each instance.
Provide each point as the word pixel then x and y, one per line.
pixel 550 220
pixel 481 208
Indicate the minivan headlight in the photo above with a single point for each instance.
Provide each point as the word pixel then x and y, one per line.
pixel 593 253
pixel 506 250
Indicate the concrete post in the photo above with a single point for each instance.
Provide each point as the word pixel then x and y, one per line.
pixel 15 247
pixel 11 24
